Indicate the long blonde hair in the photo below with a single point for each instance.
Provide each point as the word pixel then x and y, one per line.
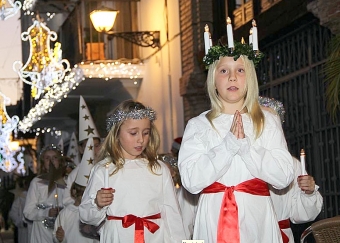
pixel 251 103
pixel 111 147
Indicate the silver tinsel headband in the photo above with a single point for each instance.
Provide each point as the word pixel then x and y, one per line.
pixel 273 104
pixel 120 115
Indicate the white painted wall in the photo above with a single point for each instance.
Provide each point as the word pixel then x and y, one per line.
pixel 160 86
pixel 10 51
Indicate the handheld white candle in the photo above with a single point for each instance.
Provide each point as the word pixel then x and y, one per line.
pixel 207 39
pixel 254 36
pixel 106 178
pixel 250 36
pixel 230 34
pixel 303 162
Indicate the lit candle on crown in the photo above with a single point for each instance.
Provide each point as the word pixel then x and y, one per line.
pixel 255 37
pixel 303 162
pixel 106 177
pixel 207 39
pixel 230 34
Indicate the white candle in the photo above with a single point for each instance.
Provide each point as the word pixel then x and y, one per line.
pixel 106 177
pixel 303 162
pixel 255 37
pixel 230 34
pixel 251 36
pixel 207 39
pixel 56 200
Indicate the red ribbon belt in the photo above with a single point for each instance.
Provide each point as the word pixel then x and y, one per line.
pixel 130 219
pixel 284 224
pixel 228 229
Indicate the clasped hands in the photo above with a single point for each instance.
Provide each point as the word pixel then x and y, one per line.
pixel 237 126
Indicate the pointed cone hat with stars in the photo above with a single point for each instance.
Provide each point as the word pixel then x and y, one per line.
pixel 87 129
pixel 73 151
pixel 86 164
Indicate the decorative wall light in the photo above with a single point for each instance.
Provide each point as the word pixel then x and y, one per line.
pixel 11 157
pixel 8 8
pixel 45 66
pixel 122 69
pixel 99 19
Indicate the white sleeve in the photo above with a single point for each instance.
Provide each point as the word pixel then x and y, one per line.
pixel 31 210
pixel 270 161
pixel 89 213
pixel 195 161
pixel 304 207
pixel 171 211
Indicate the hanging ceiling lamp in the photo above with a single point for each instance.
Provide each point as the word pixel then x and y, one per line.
pixel 103 19
pixel 8 8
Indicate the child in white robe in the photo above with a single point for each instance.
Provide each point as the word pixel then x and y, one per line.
pixel 129 188
pixel 230 153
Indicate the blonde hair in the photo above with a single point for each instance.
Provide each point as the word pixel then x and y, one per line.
pixel 111 147
pixel 251 103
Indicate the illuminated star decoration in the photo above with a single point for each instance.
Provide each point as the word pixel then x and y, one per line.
pixel 45 66
pixel 10 158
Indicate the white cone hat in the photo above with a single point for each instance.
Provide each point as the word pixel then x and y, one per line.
pixel 87 129
pixel 73 151
pixel 61 144
pixel 86 164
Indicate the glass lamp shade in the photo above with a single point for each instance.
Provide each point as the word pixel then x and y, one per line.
pixel 103 19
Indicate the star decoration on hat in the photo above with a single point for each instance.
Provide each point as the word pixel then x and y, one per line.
pixel 89 130
pixel 90 147
pixel 83 106
pixel 86 117
pixel 90 161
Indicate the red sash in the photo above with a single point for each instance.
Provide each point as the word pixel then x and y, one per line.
pixel 228 229
pixel 284 224
pixel 130 219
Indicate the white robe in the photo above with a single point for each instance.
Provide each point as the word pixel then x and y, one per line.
pixel 18 219
pixel 209 155
pixel 68 218
pixel 291 203
pixel 138 192
pixel 38 194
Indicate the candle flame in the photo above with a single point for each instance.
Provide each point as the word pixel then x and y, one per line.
pixel 206 28
pixel 302 152
pixel 228 20
pixel 251 31
pixel 242 41
pixel 107 165
pixel 177 185
pixel 56 195
pixel 253 23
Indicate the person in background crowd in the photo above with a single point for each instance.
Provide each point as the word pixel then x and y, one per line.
pixel 44 196
pixel 23 225
pixel 187 201
pixel 87 129
pixel 230 153
pixel 67 227
pixel 300 202
pixel 145 208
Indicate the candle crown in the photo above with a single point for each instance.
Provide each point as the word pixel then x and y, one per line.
pixel 217 51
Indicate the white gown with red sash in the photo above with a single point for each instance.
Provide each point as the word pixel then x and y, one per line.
pixel 210 155
pixel 145 206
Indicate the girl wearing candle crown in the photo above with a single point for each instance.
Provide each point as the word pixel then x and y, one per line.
pixel 144 207
pixel 230 153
